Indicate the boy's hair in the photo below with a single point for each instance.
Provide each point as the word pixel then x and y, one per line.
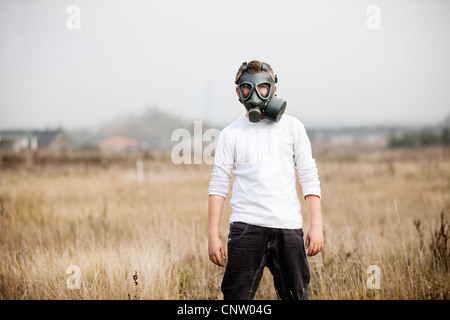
pixel 254 66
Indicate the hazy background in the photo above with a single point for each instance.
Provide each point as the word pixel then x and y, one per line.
pixel 182 56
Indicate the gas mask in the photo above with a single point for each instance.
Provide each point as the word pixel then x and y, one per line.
pixel 256 92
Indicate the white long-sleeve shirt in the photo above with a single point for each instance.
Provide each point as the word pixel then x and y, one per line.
pixel 264 157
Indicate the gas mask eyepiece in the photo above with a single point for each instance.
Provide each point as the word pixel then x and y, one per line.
pixel 256 93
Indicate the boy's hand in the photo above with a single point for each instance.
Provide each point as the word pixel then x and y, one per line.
pixel 216 251
pixel 314 240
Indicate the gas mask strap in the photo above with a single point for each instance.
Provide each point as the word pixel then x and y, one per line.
pixel 244 67
pixel 263 67
pixel 244 71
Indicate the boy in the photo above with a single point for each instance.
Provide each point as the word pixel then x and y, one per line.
pixel 264 149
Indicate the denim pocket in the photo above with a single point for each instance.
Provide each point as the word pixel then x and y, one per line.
pixel 237 230
pixel 298 233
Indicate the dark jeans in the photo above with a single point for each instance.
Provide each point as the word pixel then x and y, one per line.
pixel 251 248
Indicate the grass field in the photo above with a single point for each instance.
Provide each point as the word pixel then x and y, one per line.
pixel 148 239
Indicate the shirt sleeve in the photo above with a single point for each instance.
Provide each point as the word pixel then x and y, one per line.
pixel 304 162
pixel 223 165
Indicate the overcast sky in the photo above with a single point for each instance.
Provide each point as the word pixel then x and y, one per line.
pixel 182 57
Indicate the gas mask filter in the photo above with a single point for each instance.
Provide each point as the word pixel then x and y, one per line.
pixel 256 93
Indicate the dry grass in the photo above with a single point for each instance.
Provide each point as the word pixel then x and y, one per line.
pixel 149 240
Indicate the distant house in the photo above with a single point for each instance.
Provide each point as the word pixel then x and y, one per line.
pixel 54 140
pixel 118 144
pixel 17 140
pixel 49 140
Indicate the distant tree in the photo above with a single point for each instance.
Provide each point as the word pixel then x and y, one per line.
pixel 410 139
pixel 445 136
pixel 446 122
pixel 393 140
pixel 428 137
